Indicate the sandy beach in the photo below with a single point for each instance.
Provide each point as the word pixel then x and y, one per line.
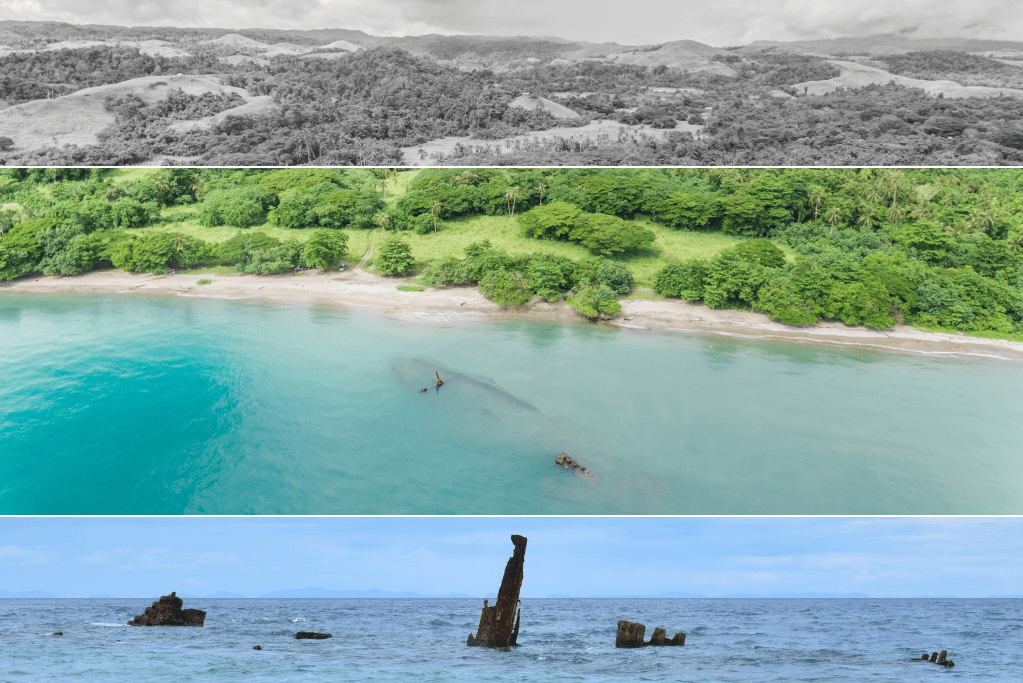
pixel 358 290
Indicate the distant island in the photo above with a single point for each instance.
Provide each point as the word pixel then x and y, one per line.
pixel 853 255
pixel 86 95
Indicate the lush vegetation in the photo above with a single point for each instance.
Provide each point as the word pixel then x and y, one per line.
pixel 937 248
pixel 364 108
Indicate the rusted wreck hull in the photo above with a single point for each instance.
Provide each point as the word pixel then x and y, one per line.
pixel 630 634
pixel 499 624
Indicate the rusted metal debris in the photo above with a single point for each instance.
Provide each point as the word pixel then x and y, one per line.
pixel 630 634
pixel 499 624
pixel 311 635
pixel 939 658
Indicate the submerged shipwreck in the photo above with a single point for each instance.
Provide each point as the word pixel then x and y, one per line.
pixel 490 405
pixel 570 464
pixel 499 623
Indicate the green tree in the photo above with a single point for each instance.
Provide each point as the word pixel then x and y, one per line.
pixel 779 299
pixel 511 196
pixel 551 221
pixel 595 302
pixel 395 257
pixel 504 288
pixel 20 252
pixel 609 235
pixel 762 251
pixel 324 248
pixel 682 279
pixel 241 207
pixel 731 280
pixel 685 210
pixel 435 208
pixel 866 302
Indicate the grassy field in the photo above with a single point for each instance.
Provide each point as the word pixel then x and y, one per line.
pixel 357 239
pixel 122 175
pixel 505 233
pixel 455 235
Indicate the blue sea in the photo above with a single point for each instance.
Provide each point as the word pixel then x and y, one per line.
pixel 127 404
pixel 422 640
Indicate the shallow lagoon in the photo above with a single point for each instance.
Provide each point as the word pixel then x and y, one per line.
pixel 122 404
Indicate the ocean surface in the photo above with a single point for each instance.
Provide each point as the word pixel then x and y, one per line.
pixel 126 404
pixel 741 640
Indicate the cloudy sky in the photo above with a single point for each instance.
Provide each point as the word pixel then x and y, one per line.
pixel 572 557
pixel 720 23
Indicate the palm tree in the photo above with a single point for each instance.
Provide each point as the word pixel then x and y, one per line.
pixel 896 180
pixel 959 227
pixel 873 193
pixel 511 196
pixel 816 195
pixel 895 212
pixel 435 211
pixel 866 219
pixel 831 216
pixel 541 188
pixel 383 220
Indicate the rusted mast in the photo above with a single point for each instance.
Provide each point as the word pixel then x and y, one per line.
pixel 499 624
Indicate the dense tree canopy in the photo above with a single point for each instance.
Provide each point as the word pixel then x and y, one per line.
pixel 938 248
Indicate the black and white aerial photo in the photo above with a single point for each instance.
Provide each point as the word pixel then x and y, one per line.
pixel 525 83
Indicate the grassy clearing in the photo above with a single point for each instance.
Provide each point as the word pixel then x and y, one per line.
pixel 123 175
pixel 504 233
pixel 644 294
pixel 411 288
pixel 357 239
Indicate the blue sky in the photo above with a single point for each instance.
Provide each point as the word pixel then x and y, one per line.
pixel 724 22
pixel 574 557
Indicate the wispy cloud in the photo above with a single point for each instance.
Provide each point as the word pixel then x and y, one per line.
pixel 725 22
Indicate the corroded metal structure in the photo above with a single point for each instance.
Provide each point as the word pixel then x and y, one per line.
pixel 499 624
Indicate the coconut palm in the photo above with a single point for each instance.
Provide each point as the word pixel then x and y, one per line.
pixel 382 219
pixel 541 188
pixel 511 196
pixel 435 211
pixel 895 212
pixel 831 215
pixel 816 195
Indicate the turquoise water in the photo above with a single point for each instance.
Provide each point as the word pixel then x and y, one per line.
pixel 384 641
pixel 133 405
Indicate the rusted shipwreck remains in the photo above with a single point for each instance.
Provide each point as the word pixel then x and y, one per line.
pixel 939 658
pixel 499 624
pixel 630 634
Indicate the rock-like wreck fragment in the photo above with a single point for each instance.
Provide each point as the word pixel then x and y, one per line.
pixel 630 634
pixel 499 625
pixel 167 612
pixel 312 635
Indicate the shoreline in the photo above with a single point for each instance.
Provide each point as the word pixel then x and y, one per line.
pixel 358 290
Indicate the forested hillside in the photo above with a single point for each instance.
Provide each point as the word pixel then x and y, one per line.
pixel 364 107
pixel 941 249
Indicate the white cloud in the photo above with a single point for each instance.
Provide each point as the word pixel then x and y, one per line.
pixel 18 554
pixel 725 22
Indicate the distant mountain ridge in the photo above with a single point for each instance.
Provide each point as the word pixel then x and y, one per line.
pixel 863 45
